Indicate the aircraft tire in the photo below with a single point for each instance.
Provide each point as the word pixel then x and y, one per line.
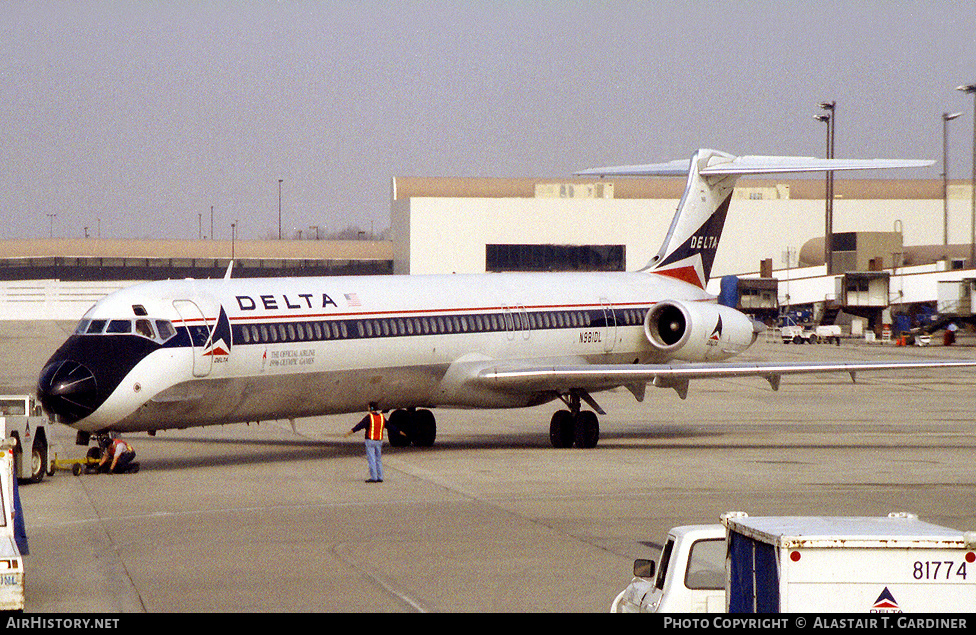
pixel 403 420
pixel 587 430
pixel 562 429
pixel 425 428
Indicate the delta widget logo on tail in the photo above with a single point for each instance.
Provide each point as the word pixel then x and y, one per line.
pixel 691 261
pixel 219 342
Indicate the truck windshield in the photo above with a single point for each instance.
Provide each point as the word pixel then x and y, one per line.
pixel 662 572
pixel 706 565
pixel 15 406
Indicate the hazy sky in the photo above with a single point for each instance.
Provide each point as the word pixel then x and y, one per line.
pixel 144 114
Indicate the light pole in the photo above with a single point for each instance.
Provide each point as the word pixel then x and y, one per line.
pixel 946 118
pixel 970 89
pixel 828 186
pixel 279 208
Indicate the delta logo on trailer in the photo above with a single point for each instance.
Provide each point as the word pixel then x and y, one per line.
pixel 886 603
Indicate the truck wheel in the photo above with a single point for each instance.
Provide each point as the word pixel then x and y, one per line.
pixel 797 339
pixel 814 339
pixel 38 463
pixel 76 469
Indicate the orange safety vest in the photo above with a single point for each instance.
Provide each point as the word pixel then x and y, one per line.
pixel 374 431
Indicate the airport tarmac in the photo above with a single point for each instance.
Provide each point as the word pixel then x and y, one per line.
pixel 492 519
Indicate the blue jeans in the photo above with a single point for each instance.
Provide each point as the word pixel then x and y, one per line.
pixel 374 457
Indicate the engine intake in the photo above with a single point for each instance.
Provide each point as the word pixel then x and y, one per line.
pixel 698 331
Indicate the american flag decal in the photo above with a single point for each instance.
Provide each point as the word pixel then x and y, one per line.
pixel 352 299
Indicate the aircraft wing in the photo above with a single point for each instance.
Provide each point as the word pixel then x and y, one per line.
pixel 510 377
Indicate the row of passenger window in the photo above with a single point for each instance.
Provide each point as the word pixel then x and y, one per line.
pixel 264 333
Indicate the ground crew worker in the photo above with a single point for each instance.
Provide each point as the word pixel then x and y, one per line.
pixel 374 422
pixel 116 456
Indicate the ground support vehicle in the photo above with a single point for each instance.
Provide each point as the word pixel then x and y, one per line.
pixel 688 578
pixel 25 423
pixel 778 564
pixel 13 538
pixel 796 334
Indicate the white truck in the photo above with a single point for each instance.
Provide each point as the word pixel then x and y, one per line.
pixel 829 333
pixel 25 422
pixel 688 578
pixel 808 564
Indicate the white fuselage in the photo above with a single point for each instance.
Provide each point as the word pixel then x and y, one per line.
pixel 310 346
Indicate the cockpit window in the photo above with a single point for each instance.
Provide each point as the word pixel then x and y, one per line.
pixel 96 326
pixel 156 330
pixel 166 329
pixel 119 326
pixel 145 329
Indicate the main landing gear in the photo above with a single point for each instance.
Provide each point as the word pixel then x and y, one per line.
pixel 574 427
pixel 569 428
pixel 414 426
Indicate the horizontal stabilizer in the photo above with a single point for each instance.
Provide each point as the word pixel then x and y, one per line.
pixel 672 168
pixel 721 164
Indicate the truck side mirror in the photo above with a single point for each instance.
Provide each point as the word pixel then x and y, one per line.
pixel 643 568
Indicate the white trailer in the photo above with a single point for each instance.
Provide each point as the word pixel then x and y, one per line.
pixel 834 564
pixel 11 558
pixel 807 564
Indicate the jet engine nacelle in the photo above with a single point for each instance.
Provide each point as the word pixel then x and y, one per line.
pixel 698 331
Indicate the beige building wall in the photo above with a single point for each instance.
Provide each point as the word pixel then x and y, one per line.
pixel 447 229
pixel 448 235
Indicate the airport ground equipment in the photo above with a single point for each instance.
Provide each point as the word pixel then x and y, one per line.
pixel 25 422
pixel 829 333
pixel 781 564
pixel 689 576
pixel 88 465
pixel 11 560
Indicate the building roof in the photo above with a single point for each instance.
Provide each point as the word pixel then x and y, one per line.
pixel 194 249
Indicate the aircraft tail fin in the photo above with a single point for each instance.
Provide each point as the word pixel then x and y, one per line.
pixel 692 240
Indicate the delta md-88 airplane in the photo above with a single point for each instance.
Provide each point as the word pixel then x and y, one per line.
pixel 182 353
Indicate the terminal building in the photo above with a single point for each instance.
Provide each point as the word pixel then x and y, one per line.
pixel 887 247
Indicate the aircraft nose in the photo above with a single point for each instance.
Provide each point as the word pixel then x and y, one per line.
pixel 68 389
